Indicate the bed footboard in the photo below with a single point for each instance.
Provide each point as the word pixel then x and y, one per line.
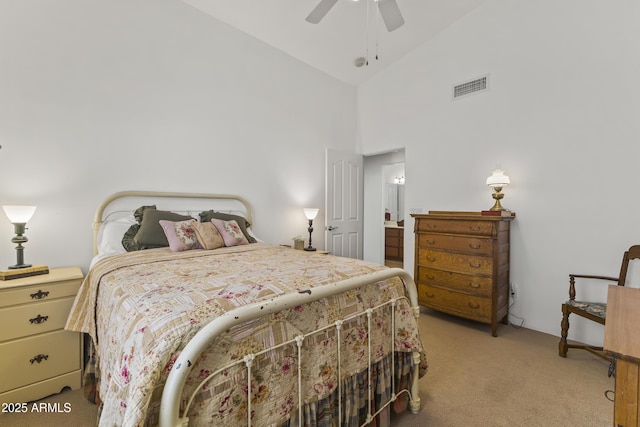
pixel 170 404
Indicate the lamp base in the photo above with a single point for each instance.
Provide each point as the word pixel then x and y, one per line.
pixel 17 273
pixel 309 248
pixel 15 267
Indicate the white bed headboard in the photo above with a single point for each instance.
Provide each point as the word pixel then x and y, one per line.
pixel 125 203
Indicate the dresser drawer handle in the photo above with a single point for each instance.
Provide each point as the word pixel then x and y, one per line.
pixel 431 277
pixel 431 242
pixel 474 285
pixel 472 265
pixel 430 295
pixel 474 228
pixel 474 305
pixel 432 226
pixel 38 320
pixel 472 246
pixel 40 294
pixel 39 358
pixel 431 259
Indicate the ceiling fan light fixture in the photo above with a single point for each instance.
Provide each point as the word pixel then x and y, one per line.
pixel 389 11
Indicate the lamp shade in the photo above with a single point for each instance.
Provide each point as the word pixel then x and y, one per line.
pixel 19 214
pixel 310 213
pixel 498 179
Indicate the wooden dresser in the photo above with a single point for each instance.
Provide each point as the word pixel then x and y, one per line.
pixel 462 264
pixel 37 356
pixel 394 243
pixel 621 341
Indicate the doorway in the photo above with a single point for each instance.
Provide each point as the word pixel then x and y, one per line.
pixel 393 204
pixel 378 170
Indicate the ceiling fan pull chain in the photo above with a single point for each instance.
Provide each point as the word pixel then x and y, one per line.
pixel 367 34
pixel 377 29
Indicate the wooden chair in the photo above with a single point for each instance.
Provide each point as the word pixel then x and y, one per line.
pixel 595 311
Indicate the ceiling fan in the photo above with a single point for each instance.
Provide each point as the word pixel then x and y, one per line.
pixel 389 11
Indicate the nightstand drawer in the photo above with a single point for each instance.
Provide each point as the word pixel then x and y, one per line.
pixel 40 292
pixel 36 318
pixel 474 285
pixel 29 360
pixel 469 245
pixel 455 303
pixel 459 263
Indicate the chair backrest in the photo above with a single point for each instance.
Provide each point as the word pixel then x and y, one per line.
pixel 631 254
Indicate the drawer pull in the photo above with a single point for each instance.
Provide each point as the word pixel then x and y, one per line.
pixel 431 242
pixel 40 294
pixel 474 285
pixel 474 228
pixel 432 226
pixel 429 295
pixel 38 320
pixel 431 277
pixel 474 305
pixel 431 259
pixel 39 358
pixel 472 246
pixel 472 265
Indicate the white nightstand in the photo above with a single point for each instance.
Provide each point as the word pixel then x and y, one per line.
pixel 37 356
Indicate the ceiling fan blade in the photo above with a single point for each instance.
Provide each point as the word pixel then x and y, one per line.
pixel 390 13
pixel 320 11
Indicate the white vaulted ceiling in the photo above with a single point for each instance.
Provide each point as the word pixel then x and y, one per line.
pixel 343 35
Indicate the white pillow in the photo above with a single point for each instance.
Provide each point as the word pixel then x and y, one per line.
pixel 111 233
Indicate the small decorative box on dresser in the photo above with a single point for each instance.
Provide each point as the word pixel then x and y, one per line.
pixel 37 356
pixel 462 264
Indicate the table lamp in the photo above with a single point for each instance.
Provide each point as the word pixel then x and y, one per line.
pixel 19 216
pixel 311 215
pixel 497 180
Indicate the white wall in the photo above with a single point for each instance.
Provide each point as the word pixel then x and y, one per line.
pixel 561 117
pixel 103 96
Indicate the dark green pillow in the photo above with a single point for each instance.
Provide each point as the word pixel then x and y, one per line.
pixel 139 213
pixel 206 216
pixel 127 239
pixel 151 235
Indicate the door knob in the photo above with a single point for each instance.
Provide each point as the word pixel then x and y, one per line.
pixel 331 228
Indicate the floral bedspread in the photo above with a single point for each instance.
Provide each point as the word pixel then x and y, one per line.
pixel 141 308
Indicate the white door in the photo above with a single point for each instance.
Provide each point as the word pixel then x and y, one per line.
pixel 344 203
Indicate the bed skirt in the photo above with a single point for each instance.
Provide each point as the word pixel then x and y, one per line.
pixel 324 412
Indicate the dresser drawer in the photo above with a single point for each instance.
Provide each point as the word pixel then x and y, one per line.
pixel 392 241
pixel 469 245
pixel 41 292
pixel 29 360
pixel 35 318
pixel 393 232
pixel 478 228
pixel 473 285
pixel 391 252
pixel 459 263
pixel 455 303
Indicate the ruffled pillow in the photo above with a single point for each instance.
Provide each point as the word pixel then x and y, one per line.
pixel 230 232
pixel 181 235
pixel 208 235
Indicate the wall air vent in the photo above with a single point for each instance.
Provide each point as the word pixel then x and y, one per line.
pixel 471 87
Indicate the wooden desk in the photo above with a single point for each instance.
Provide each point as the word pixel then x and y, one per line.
pixel 622 341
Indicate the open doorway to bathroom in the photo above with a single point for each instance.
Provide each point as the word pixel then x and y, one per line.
pixel 393 203
pixel 384 198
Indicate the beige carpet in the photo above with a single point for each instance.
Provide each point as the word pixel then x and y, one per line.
pixel 474 379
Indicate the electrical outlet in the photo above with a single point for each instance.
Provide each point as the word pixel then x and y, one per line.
pixel 513 287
